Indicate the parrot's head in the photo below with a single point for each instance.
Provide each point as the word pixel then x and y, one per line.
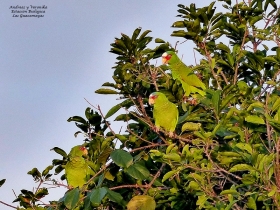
pixel 84 150
pixel 155 96
pixel 169 57
pixel 152 98
pixel 79 150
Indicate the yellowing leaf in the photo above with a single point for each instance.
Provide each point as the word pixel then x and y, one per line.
pixel 109 176
pixel 141 202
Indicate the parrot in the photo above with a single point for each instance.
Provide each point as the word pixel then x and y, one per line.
pixel 77 169
pixel 165 113
pixel 190 82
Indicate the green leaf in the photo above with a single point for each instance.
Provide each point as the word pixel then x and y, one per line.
pixel 144 34
pixel 71 198
pixel 158 40
pixel 121 137
pixel 168 175
pixel 201 201
pixel 2 182
pixel 114 196
pixel 245 146
pixel 190 126
pixel 46 171
pixel 276 104
pixel 253 20
pixel 233 192
pixel 35 173
pixel 141 202
pixel 254 119
pixel 248 179
pixel 103 156
pixel 122 158
pixel 41 192
pixel 138 171
pixel 172 156
pixel 112 111
pixel 60 151
pixel 77 119
pixel 97 195
pixel 223 47
pixel 123 117
pixel 251 204
pixel 126 103
pixel 241 167
pixel 216 100
pixel 106 91
pixel 135 34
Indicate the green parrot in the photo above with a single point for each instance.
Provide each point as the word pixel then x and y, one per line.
pixel 165 113
pixel 190 82
pixel 77 169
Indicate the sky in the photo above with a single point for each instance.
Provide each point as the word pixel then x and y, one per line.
pixel 48 66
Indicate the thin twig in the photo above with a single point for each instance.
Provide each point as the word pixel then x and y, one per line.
pixel 148 146
pixel 108 125
pixel 8 205
pixel 155 177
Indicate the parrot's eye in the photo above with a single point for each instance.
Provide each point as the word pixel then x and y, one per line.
pixel 82 148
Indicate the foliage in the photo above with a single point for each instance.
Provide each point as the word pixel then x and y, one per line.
pixel 226 151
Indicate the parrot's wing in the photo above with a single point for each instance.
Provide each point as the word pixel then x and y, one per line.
pixel 166 115
pixel 193 80
pixel 192 89
pixel 76 171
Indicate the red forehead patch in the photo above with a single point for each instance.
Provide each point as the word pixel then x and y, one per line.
pixel 153 96
pixel 82 148
pixel 168 57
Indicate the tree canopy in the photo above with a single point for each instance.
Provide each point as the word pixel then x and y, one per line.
pixel 225 153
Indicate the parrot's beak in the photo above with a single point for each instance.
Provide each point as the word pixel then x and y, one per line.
pixel 85 151
pixel 151 101
pixel 164 60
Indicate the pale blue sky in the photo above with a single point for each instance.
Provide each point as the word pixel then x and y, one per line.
pixel 48 65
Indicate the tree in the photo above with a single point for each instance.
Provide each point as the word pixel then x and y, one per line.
pixel 226 151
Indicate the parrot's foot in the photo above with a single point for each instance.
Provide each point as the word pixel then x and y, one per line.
pixel 155 129
pixel 171 134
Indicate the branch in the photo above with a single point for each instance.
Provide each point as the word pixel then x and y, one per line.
pixel 99 109
pixel 145 147
pixel 8 205
pixel 155 177
pixel 99 172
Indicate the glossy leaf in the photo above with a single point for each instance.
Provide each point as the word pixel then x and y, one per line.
pixel 77 119
pixel 97 195
pixel 60 151
pixel 241 167
pixel 122 158
pixel 71 198
pixel 114 196
pixel 138 171
pixel 254 119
